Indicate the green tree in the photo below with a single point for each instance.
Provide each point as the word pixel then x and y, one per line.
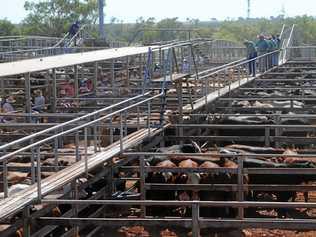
pixel 53 17
pixel 170 23
pixel 7 28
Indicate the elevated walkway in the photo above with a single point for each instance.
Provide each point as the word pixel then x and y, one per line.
pixel 16 203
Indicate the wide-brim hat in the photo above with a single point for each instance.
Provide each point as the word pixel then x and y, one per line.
pixel 63 92
pixel 37 92
pixel 10 100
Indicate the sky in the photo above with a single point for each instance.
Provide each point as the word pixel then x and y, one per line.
pixel 130 10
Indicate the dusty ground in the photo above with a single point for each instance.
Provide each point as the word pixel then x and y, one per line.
pixel 284 233
pixel 277 233
pixel 176 232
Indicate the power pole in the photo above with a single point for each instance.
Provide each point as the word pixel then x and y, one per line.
pixel 101 4
pixel 248 9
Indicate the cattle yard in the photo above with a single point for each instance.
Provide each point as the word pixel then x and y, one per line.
pixel 156 149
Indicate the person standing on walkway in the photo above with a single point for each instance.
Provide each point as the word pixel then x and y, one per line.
pixel 8 108
pixel 277 41
pixel 73 30
pixel 39 101
pixel 251 55
pixel 185 66
pixel 262 48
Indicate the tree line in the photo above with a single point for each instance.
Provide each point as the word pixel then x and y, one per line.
pixel 53 18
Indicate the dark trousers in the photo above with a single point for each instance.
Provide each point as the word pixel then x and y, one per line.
pixel 252 64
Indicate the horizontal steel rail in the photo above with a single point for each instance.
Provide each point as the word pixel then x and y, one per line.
pixel 244 204
pixel 205 155
pixel 59 127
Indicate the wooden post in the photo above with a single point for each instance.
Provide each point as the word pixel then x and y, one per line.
pixel 56 152
pixel 126 84
pixel 28 103
pixel 142 177
pixel 95 79
pixel 75 196
pixel 39 177
pixel 267 136
pixel 180 101
pixel 140 66
pixel 113 77
pixel 175 60
pixel 160 63
pixel 54 91
pixel 277 130
pixel 76 77
pixel 5 177
pixel 26 222
pixel 77 141
pixel 240 192
pixel 2 84
pixel 195 220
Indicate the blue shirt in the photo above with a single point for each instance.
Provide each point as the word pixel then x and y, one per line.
pixel 185 67
pixel 39 103
pixel 7 107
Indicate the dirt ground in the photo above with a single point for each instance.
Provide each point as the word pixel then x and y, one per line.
pixel 277 233
pixel 178 232
pixel 285 233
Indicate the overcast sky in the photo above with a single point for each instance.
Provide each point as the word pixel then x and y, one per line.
pixel 130 10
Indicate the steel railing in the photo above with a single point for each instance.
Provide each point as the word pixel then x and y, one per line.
pixel 75 127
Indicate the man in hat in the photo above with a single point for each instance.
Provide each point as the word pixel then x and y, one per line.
pixel 278 42
pixel 84 86
pixel 185 66
pixel 251 55
pixel 8 108
pixel 262 48
pixel 74 28
pixel 39 101
pixel 68 89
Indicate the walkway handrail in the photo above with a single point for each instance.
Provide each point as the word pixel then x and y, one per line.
pixel 222 66
pixel 244 61
pixel 77 128
pixel 23 37
pixel 240 63
pixel 48 50
pixel 289 41
pixel 63 125
pixel 61 40
pixel 76 35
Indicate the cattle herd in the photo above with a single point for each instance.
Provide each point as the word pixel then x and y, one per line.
pixel 222 158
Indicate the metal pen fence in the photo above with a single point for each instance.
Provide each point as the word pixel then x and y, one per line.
pixel 196 221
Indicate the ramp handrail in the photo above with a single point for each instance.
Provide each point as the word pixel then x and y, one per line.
pixel 74 38
pixel 62 40
pixel 72 127
pixel 56 49
pixel 65 124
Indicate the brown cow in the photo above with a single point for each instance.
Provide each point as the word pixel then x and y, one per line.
pixel 14 178
pixel 161 178
pixel 135 231
pixel 187 178
pixel 168 233
pixel 211 178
